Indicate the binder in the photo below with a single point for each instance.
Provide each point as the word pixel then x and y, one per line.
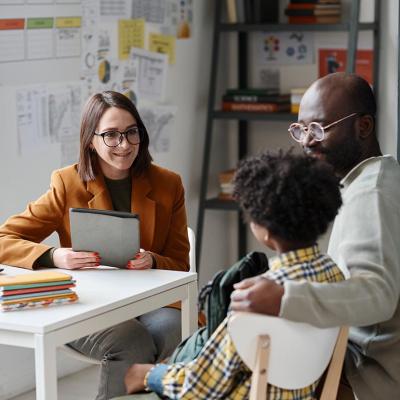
pixel 115 235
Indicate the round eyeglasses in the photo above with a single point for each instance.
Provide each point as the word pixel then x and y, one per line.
pixel 299 132
pixel 114 138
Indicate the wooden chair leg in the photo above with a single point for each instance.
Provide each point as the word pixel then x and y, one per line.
pixel 334 371
pixel 258 389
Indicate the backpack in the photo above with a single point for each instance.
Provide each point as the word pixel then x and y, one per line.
pixel 215 299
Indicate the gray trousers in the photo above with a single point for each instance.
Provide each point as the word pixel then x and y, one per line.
pixel 147 339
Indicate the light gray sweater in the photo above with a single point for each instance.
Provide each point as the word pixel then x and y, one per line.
pixel 365 240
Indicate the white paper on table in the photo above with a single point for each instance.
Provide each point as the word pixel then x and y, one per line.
pixel 152 73
pixel 32 118
pixel 159 122
pixel 276 48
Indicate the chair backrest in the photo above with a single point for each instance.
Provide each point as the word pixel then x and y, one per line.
pixel 192 252
pixel 298 353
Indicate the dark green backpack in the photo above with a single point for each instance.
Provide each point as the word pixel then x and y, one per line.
pixel 214 299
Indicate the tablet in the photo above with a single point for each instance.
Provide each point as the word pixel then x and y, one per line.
pixel 115 235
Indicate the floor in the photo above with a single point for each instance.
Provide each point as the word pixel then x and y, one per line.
pixel 79 386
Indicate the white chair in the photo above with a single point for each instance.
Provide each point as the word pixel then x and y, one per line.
pixel 287 354
pixel 192 268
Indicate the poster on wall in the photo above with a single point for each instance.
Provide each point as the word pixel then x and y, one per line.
pixel 334 60
pixel 277 48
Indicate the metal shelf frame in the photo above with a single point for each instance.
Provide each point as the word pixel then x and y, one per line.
pixel 352 26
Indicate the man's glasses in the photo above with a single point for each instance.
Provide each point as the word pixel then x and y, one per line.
pixel 299 132
pixel 114 138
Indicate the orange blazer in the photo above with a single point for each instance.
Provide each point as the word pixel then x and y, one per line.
pixel 157 196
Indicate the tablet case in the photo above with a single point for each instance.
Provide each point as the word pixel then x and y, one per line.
pixel 115 235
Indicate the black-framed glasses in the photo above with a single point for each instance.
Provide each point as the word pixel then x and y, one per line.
pixel 113 138
pixel 299 132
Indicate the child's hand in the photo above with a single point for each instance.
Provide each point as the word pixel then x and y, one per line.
pixel 134 378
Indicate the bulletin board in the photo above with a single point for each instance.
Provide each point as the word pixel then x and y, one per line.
pixel 54 54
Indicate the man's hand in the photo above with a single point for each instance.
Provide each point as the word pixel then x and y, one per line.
pixel 259 295
pixel 134 378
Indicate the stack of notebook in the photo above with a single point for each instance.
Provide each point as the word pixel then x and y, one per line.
pixel 37 289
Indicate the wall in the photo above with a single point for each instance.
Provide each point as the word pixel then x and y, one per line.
pixel 23 179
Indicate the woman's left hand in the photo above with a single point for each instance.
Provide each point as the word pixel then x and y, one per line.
pixel 143 260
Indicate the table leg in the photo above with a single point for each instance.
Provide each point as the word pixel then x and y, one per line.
pixel 45 368
pixel 189 310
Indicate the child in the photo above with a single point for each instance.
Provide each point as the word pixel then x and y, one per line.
pixel 289 201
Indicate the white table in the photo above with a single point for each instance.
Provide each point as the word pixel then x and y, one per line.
pixel 106 297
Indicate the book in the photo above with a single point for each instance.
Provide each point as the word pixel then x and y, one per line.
pixel 51 293
pixel 37 285
pixel 314 20
pixel 255 107
pixel 252 91
pixel 256 98
pixel 266 11
pixel 240 11
pixel 39 303
pixel 38 299
pixel 6 292
pixel 306 13
pixel 248 10
pixel 231 11
pixel 315 2
pixel 306 6
pixel 33 277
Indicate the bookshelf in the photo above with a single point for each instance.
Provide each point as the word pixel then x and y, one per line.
pixel 352 26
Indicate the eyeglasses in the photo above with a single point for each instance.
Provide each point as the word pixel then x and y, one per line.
pixel 114 138
pixel 299 132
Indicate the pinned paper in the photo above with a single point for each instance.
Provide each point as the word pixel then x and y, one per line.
pixel 130 34
pixel 163 44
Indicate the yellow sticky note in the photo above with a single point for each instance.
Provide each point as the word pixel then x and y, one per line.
pixel 163 44
pixel 130 34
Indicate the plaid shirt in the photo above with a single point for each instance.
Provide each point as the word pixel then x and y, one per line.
pixel 218 372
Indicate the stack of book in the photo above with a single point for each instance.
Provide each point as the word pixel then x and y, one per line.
pixel 314 11
pixel 255 100
pixel 37 289
pixel 226 184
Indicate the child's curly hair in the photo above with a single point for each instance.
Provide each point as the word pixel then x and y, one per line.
pixel 293 196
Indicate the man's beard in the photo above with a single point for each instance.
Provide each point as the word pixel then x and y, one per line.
pixel 343 156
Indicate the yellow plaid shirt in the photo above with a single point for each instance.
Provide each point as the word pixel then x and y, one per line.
pixel 218 372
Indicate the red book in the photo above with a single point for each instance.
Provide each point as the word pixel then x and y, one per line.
pixel 254 107
pixel 38 289
pixel 314 20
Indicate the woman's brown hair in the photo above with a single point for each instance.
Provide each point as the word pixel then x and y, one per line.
pixel 92 112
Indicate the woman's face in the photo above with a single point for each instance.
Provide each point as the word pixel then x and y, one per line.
pixel 115 162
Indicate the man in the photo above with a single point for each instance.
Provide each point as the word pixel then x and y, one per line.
pixel 337 124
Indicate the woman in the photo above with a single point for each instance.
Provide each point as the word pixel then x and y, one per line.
pixel 114 172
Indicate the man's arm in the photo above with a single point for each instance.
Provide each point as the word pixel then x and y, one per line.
pixel 368 249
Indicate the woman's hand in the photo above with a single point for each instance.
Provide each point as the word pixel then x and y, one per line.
pixel 143 260
pixel 67 258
